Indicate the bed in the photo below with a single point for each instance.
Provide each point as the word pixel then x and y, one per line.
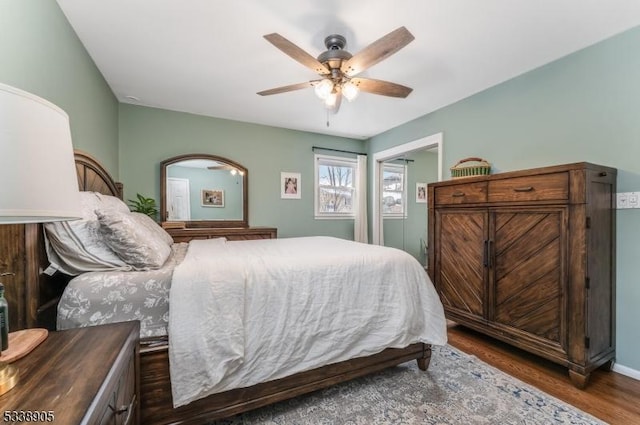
pixel 129 302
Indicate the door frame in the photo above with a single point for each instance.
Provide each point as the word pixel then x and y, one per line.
pixel 433 141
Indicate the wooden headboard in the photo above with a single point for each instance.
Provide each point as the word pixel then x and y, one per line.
pixel 32 295
pixel 93 177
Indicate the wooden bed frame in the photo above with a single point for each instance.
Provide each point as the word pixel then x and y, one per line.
pixel 155 387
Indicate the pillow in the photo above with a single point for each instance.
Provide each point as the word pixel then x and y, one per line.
pixel 75 247
pixel 92 201
pixel 89 202
pixel 108 202
pixel 152 226
pixel 134 243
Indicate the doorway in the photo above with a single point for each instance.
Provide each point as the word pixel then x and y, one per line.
pixel 178 199
pixel 433 143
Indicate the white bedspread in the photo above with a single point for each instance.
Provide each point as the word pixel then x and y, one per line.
pixel 247 312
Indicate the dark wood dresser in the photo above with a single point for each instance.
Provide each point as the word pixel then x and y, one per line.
pixel 230 233
pixel 528 257
pixel 80 376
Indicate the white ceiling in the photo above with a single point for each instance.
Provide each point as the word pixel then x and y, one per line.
pixel 208 57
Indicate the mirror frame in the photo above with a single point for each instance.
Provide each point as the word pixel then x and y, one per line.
pixel 205 223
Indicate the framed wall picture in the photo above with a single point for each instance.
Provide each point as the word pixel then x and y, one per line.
pixel 290 185
pixel 212 198
pixel 421 193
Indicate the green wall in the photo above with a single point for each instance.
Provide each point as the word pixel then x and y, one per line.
pixel 148 136
pixel 42 55
pixel 583 107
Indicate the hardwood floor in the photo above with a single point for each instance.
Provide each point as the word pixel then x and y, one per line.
pixel 609 396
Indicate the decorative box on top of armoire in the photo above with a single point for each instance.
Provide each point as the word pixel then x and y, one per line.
pixel 528 257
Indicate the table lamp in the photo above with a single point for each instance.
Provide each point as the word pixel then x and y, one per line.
pixel 38 181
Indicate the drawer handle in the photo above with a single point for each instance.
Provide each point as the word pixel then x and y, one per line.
pixel 523 189
pixel 486 254
pixel 603 174
pixel 457 194
pixel 126 408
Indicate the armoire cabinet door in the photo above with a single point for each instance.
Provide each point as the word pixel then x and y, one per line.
pixel 460 273
pixel 528 271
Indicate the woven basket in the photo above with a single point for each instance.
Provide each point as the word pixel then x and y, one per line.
pixel 480 168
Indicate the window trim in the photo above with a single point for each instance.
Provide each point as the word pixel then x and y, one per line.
pixel 337 160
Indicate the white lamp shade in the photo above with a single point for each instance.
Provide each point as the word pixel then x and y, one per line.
pixel 38 181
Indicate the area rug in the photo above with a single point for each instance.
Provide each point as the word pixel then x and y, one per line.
pixel 457 389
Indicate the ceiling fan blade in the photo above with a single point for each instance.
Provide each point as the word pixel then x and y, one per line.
pixel 384 88
pixel 296 53
pixel 377 51
pixel 285 89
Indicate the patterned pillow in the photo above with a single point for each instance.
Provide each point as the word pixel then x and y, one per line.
pixel 146 221
pixel 135 244
pixel 75 247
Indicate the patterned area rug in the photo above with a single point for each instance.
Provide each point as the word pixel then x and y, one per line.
pixel 457 389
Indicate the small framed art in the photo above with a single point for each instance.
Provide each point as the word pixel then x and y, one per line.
pixel 213 198
pixel 289 185
pixel 421 193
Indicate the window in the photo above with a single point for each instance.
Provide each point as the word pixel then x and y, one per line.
pixel 393 190
pixel 335 186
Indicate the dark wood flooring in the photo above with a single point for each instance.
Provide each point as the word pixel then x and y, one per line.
pixel 609 396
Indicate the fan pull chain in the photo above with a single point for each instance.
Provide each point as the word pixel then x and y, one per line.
pixel 327 118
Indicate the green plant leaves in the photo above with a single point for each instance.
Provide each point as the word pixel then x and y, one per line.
pixel 144 205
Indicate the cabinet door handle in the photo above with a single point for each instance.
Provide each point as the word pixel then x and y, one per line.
pixel 457 194
pixel 523 189
pixel 485 254
pixel 126 408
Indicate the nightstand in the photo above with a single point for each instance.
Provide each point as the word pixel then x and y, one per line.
pixel 80 376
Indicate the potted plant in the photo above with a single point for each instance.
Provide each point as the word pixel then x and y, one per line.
pixel 144 205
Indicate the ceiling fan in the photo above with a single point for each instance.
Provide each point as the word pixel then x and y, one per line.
pixel 338 68
pixel 233 170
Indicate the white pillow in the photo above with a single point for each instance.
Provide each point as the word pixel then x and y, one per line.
pixel 92 201
pixel 134 243
pixel 108 202
pixel 152 226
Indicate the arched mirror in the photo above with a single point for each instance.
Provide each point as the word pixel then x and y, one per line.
pixel 203 190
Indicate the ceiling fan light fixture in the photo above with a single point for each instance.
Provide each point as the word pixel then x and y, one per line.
pixel 324 88
pixel 350 91
pixel 331 100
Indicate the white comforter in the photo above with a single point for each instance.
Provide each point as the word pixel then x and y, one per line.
pixel 247 312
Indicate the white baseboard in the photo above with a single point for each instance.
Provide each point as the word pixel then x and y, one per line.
pixel 627 371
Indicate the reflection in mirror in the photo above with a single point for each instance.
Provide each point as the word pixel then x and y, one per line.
pixel 403 208
pixel 204 191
